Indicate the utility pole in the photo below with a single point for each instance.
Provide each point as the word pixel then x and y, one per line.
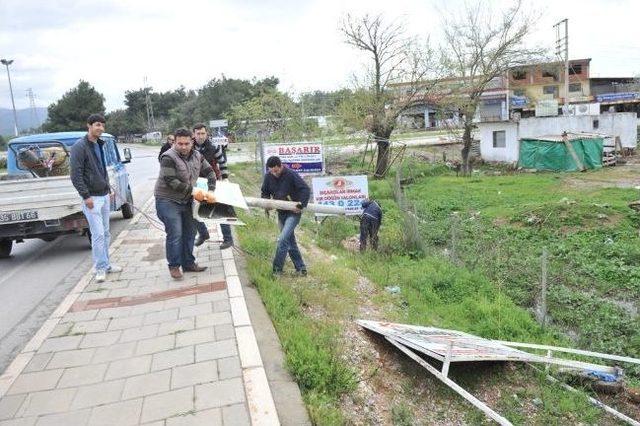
pixel 6 63
pixel 151 122
pixel 35 120
pixel 562 51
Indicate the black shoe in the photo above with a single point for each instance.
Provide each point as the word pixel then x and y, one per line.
pixel 200 239
pixel 194 268
pixel 277 272
pixel 226 245
pixel 302 272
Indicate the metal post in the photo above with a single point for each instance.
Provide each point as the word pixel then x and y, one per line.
pixel 6 63
pixel 543 282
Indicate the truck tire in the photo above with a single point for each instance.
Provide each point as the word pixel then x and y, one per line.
pixel 127 208
pixel 5 248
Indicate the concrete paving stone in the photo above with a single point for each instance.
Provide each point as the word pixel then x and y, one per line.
pixel 57 344
pixel 172 327
pixel 221 306
pixel 172 358
pixel 219 394
pixel 72 418
pixel 167 404
pixel 194 337
pixel 156 344
pixel 48 402
pixel 139 333
pixel 121 414
pixel 71 358
pixel 216 350
pixel 147 384
pixel 161 316
pixel 212 417
pixel 194 374
pixel 96 340
pixel 225 332
pixel 239 312
pixel 234 286
pixel 147 308
pixel 38 362
pixel 128 367
pixel 126 322
pixel 98 394
pixel 212 296
pixel 95 326
pixel 135 275
pixel 37 381
pixel 9 405
pixel 63 329
pixel 236 415
pixel 119 292
pixel 24 421
pixel 123 311
pixel 84 375
pixel 114 352
pixel 195 310
pixel 140 282
pixel 229 368
pixel 213 319
pixel 179 302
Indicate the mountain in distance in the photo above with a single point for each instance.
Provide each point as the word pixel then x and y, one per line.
pixel 26 120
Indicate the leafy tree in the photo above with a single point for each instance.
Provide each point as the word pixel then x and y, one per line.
pixel 71 111
pixel 218 96
pixel 272 111
pixel 320 103
pixel 394 58
pixel 3 144
pixel 118 123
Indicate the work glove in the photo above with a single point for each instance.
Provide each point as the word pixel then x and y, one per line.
pixel 198 194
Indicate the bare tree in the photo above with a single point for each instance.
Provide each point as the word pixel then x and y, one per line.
pixel 395 58
pixel 480 46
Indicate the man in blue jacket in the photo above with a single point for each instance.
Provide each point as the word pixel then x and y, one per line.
pixel 370 222
pixel 283 184
pixel 90 178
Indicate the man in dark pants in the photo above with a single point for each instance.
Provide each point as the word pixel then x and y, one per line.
pixel 370 222
pixel 283 184
pixel 180 168
pixel 90 178
pixel 216 157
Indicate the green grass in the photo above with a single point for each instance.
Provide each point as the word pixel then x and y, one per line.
pixel 489 289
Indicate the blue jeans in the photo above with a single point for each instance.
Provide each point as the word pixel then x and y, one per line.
pixel 369 231
pixel 226 231
pixel 98 218
pixel 180 229
pixel 287 242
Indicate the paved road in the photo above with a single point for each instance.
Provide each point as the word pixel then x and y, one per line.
pixel 39 275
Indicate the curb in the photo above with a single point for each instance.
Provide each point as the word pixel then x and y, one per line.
pixel 260 402
pixel 18 364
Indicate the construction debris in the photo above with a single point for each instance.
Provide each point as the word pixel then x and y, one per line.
pixel 450 346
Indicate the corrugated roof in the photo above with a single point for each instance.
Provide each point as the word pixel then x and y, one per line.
pixel 570 137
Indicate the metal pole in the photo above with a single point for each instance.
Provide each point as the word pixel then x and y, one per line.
pixel 566 62
pixel 6 63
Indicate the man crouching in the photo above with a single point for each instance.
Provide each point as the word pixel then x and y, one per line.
pixel 180 168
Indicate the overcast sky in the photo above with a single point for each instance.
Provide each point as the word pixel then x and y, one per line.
pixel 114 44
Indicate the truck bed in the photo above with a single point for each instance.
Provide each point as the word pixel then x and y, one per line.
pixel 50 198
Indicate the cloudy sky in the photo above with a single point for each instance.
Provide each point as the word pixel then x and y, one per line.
pixel 115 44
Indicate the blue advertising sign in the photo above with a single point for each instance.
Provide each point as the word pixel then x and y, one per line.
pixel 623 96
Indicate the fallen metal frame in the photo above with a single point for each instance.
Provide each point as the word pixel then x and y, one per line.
pixel 493 352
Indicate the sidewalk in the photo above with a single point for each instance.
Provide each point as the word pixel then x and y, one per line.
pixel 142 348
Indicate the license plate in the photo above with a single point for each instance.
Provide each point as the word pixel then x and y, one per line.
pixel 19 216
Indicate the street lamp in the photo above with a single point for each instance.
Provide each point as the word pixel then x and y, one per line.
pixel 6 63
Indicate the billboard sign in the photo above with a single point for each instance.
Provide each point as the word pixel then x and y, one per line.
pixel 347 192
pixel 305 158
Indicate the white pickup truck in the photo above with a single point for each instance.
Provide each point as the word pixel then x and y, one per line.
pixel 37 198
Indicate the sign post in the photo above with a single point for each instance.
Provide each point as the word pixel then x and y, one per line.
pixel 305 158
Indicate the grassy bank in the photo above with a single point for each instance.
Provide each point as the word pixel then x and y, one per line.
pixel 314 315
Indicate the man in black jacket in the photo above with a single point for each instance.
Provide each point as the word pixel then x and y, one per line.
pixel 215 156
pixel 90 178
pixel 167 145
pixel 370 222
pixel 283 184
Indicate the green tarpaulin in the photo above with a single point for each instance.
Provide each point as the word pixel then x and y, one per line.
pixel 544 154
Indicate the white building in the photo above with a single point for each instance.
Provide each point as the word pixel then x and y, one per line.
pixel 500 140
